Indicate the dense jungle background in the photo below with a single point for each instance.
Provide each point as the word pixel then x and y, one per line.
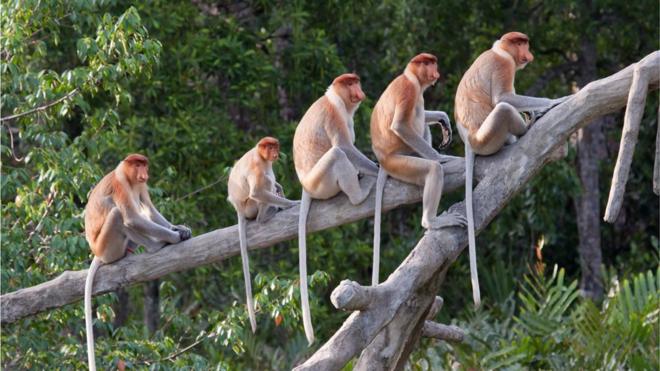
pixel 194 84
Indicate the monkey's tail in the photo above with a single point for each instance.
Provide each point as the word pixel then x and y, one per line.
pixel 89 327
pixel 380 187
pixel 302 257
pixel 469 170
pixel 242 237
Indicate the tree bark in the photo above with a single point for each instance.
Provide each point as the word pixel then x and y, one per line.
pixel 152 305
pixel 590 150
pixel 122 308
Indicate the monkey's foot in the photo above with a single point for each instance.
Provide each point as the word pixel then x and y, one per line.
pixel 367 182
pixel 267 214
pixel 446 219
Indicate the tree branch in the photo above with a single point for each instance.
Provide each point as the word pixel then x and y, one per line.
pixel 41 108
pixel 210 248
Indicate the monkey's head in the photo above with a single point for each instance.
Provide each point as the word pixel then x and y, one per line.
pixel 517 44
pixel 136 168
pixel 269 148
pixel 348 87
pixel 425 67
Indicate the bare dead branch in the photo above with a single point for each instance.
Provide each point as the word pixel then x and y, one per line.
pixel 443 332
pixel 646 70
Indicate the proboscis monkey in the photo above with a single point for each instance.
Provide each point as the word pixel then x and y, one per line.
pixel 254 193
pixel 401 140
pixel 487 114
pixel 327 162
pixel 120 216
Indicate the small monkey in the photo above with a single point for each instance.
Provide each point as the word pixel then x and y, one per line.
pixel 120 216
pixel 327 162
pixel 254 193
pixel 487 115
pixel 401 140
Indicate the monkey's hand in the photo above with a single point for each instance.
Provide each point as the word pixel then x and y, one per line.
pixel 446 219
pixel 445 127
pixel 291 204
pixel 553 103
pixel 184 232
pixel 279 190
pixel 444 120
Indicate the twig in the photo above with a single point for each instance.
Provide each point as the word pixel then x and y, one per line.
pixel 222 178
pixel 11 141
pixel 41 108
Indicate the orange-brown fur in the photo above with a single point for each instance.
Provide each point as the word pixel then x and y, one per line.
pixel 97 208
pixel 490 74
pixel 322 125
pixel 404 95
pixel 401 92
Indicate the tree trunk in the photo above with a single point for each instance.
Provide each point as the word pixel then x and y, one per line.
pixel 121 309
pixel 590 150
pixel 152 305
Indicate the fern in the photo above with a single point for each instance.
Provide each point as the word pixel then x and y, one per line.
pixel 554 329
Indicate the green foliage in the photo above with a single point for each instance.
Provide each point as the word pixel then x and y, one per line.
pixel 550 327
pixel 193 85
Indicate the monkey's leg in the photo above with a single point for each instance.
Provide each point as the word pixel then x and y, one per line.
pixel 266 212
pixel 142 240
pixel 430 175
pixel 334 172
pixel 503 121
pixel 112 238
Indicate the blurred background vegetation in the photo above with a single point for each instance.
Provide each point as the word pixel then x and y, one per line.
pixel 194 84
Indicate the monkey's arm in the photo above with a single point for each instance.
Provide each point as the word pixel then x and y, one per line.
pixel 156 216
pixel 403 129
pixel 436 116
pixel 259 191
pixel 357 158
pixel 339 137
pixel 133 220
pixel 524 103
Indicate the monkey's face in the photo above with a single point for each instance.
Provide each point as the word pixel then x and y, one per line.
pixel 426 72
pixel 269 151
pixel 139 172
pixel 351 92
pixel 521 54
pixel 431 74
pixel 273 152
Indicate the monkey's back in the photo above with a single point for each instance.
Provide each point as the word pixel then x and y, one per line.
pixel 97 208
pixel 238 189
pixel 311 141
pixel 473 101
pixel 383 139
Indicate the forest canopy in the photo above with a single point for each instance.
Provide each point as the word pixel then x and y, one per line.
pixel 194 84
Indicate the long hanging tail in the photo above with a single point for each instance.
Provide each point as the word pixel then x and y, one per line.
pixel 380 187
pixel 96 263
pixel 469 169
pixel 242 237
pixel 302 257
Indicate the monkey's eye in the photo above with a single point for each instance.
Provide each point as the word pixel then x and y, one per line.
pixel 426 63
